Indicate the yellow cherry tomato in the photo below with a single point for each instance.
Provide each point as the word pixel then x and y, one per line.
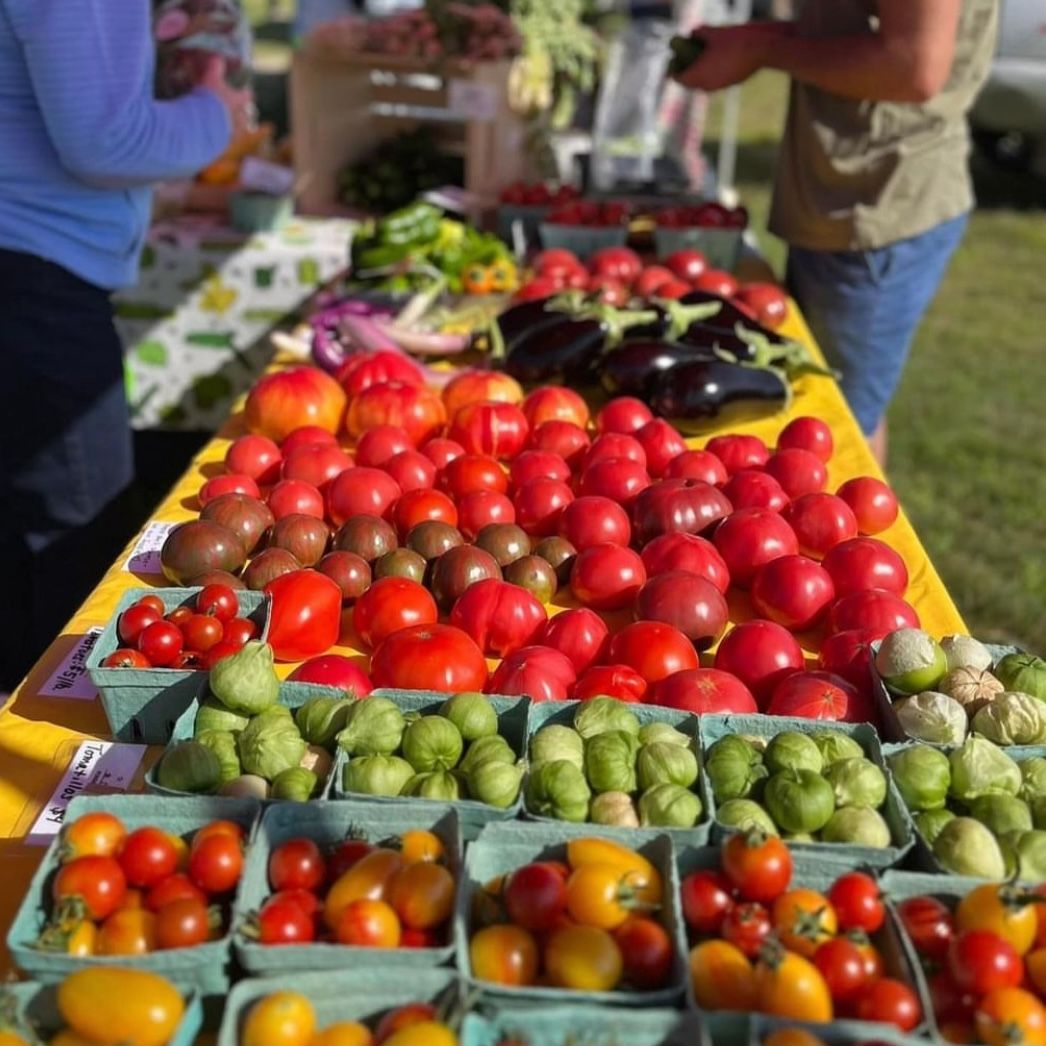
pixel 1003 910
pixel 1010 1015
pixel 583 958
pixel 280 1019
pixel 804 920
pixel 505 955
pixel 427 1033
pixel 96 834
pixel 589 850
pixel 366 880
pixel 128 931
pixel 598 895
pixel 83 939
pixel 110 1005
pixel 787 985
pixel 422 895
pixel 792 1037
pixel 420 845
pixel 502 276
pixel 722 977
pixel 344 1033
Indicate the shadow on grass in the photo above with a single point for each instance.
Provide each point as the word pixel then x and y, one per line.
pixel 1000 189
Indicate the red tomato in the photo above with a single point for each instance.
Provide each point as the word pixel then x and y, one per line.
pixel 842 967
pixel 873 503
pixel 611 446
pixel 381 444
pixel 441 452
pixel 655 650
pixel 863 563
pixel 858 902
pixel 391 604
pixel 283 400
pixel 750 488
pixel 704 690
pixel 367 369
pixel 177 887
pixel 416 409
pixel 820 521
pixel 296 864
pixel 677 505
pixel 673 290
pixel 537 464
pixel 228 484
pixel 161 642
pixel 539 505
pixel 930 925
pixel 478 386
pixel 687 602
pixel 100 883
pixel 292 497
pixel 182 924
pixel 747 927
pixel 500 617
pixel 818 695
pixel 345 855
pixel 661 444
pixel 535 896
pixel 980 961
pixel 560 437
pixel 216 863
pixel 620 479
pixel 589 521
pixel 758 866
pixel 715 281
pixel 696 555
pixel 537 671
pixel 793 591
pixel 760 654
pixel 239 631
pixel 201 632
pixel 798 471
pixel 411 470
pixel 282 920
pixel 707 898
pixel 652 277
pixel 874 609
pixel 421 506
pixel 686 265
pixel 767 303
pixel 497 429
pixel 738 452
pixel 847 654
pixel 480 508
pixel 255 456
pixel 334 670
pixel 617 263
pixel 581 634
pixel 647 951
pixel 429 657
pixel 315 465
pixel 607 577
pixel 810 434
pixel 751 537
pixel 125 657
pixel 618 681
pixel 361 492
pixel 556 263
pixel 948 1001
pixel 135 620
pixel 218 601
pixel 307 436
pixel 305 616
pixel 891 1002
pixel 471 472
pixel 700 465
pixel 555 403
pixel 147 857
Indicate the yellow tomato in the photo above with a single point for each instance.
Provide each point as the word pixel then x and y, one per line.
pixel 597 895
pixel 344 1033
pixel 422 895
pixel 1011 1015
pixel 792 1037
pixel 110 1005
pixel 94 834
pixel 420 845
pixel 280 1019
pixel 787 985
pixel 366 880
pixel 1002 909
pixel 589 850
pixel 427 1033
pixel 128 931
pixel 583 958
pixel 505 955
pixel 804 920
pixel 83 939
pixel 67 1038
pixel 722 977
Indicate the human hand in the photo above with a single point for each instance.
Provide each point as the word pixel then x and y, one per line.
pixel 730 56
pixel 238 102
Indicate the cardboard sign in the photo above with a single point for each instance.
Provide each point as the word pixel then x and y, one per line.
pixel 145 556
pixel 70 678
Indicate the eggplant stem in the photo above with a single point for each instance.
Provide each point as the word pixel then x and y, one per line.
pixel 682 317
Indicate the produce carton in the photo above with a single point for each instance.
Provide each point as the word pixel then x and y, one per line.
pixel 328 824
pixel 502 848
pixel 35 1006
pixel 583 240
pixel 292 696
pixel 838 1033
pixel 203 968
pixel 513 718
pixel 713 727
pixel 562 713
pixel 722 247
pixel 143 704
pixel 364 993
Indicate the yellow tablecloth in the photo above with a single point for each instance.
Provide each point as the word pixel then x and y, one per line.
pixel 38 734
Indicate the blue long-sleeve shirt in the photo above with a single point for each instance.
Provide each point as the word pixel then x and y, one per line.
pixel 82 138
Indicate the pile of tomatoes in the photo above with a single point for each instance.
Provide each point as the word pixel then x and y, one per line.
pixel 986 962
pixel 765 945
pixel 584 923
pixel 120 892
pixel 708 215
pixel 399 894
pixel 591 214
pixel 189 637
pixel 288 1018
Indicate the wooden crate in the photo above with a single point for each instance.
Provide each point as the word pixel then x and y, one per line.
pixel 343 106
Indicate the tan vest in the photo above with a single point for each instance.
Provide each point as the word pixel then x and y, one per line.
pixel 858 175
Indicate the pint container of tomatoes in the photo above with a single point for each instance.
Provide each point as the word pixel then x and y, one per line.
pixel 339 885
pixel 771 1031
pixel 546 914
pixel 714 230
pixel 145 884
pixel 151 659
pixel 340 1004
pixel 32 1010
pixel 822 784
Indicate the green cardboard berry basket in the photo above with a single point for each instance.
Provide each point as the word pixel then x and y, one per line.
pixel 364 993
pixel 722 247
pixel 327 824
pixel 205 967
pixel 35 1010
pixel 562 713
pixel 513 718
pixel 583 240
pixel 812 872
pixel 292 695
pixel 714 727
pixel 143 704
pixel 502 848
pixel 837 1033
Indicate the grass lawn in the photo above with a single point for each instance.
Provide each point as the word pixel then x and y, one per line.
pixel 968 427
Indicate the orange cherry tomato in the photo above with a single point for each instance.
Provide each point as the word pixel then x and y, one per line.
pixel 792 1037
pixel 788 985
pixel 280 1019
pixel 403 1017
pixel 504 955
pixel 230 828
pixel 1011 1015
pixel 366 880
pixel 599 895
pixel 344 1033
pixel 368 924
pixel 83 940
pixel 476 280
pixel 804 920
pixel 422 895
pixel 128 931
pixel 722 977
pixel 420 845
pixel 96 834
pixel 1004 910
pixel 645 880
pixel 583 958
pixel 1035 968
pixel 181 850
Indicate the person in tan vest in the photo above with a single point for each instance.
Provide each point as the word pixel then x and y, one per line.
pixel 872 191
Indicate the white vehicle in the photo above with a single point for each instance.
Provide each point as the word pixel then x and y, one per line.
pixel 1009 116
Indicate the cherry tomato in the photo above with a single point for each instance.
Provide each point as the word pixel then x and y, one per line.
pixel 803 920
pixel 820 521
pixel 607 577
pixel 647 952
pixel 419 844
pixel 202 632
pixel 873 959
pixel 537 464
pixel 441 452
pixel 194 661
pixel 504 955
pixel 345 855
pixel 760 654
pixel 368 924
pixel 147 856
pixel 126 658
pixel 581 634
pixel 182 924
pixel 221 827
pixel 494 428
pixel 227 484
pixel 874 609
pixel 620 479
pixel 738 452
pixel 564 438
pixel 798 471
pixel 819 695
pixel 254 456
pixel 500 617
pixel 929 924
pixel 704 691
pixel 1009 1015
pixel 623 414
pixel 767 303
pixel 293 497
pixel 583 958
pixel 540 504
pixel 747 926
pixel 707 900
pixel 864 563
pixel 282 920
pixel 99 882
pixel 481 508
pixel 749 488
pixel 793 591
pixel 316 466
pixel 722 977
pixel 420 506
pixel 239 631
pixel 296 864
pixel 655 650
pixel 857 901
pixel 700 465
pixel 980 960
pixel 873 503
pixel 128 931
pixel 361 492
pixel 890 1001
pixel 612 446
pixel 749 538
pixel 810 434
pixel 696 555
pixel 215 864
pixel 422 895
pixel 380 444
pixel 96 834
pixel 177 887
pixel 411 470
pixel 307 436
pixel 617 681
pixel 618 263
pixel 472 472
pixel 161 642
pixel 1003 910
pixel 590 521
pixel 686 265
pixel 555 403
pixel 539 672
pixel 389 605
pixel 429 657
pixel 535 896
pixel 219 601
pixel 661 443
pixel 842 966
pixel 135 620
pixel 759 866
pixel 716 281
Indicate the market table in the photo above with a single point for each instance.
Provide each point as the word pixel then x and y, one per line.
pixel 41 731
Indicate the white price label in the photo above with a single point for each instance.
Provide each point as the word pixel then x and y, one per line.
pixel 96 766
pixel 70 678
pixel 263 176
pixel 145 556
pixel 474 100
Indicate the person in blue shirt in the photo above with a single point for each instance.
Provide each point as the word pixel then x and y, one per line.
pixel 82 138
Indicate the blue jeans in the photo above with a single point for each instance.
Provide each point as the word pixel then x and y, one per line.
pixel 863 308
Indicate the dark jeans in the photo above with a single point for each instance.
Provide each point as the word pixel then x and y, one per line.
pixel 65 450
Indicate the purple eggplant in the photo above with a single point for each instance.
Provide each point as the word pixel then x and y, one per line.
pixel 631 368
pixel 729 312
pixel 528 316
